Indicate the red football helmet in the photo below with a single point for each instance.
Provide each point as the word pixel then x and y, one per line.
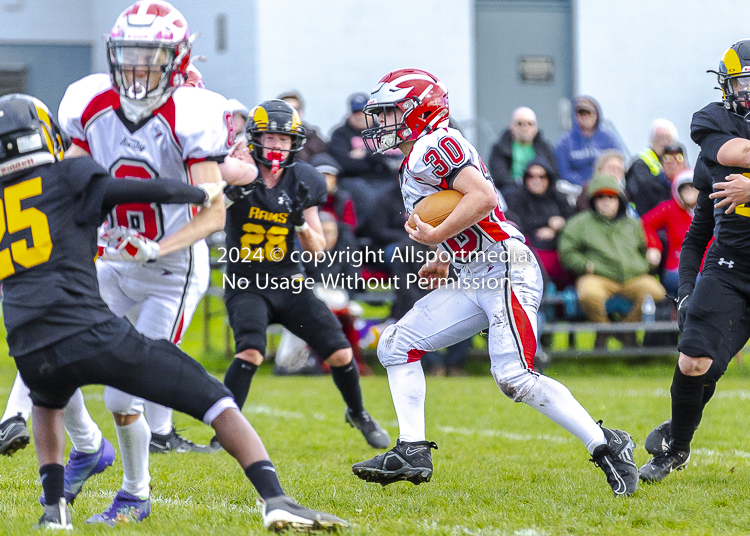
pixel 149 50
pixel 419 97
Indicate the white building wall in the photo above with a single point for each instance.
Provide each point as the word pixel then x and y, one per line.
pixel 330 49
pixel 644 59
pixel 46 20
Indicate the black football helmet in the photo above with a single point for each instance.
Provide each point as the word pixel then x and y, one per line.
pixel 274 117
pixel 734 77
pixel 29 134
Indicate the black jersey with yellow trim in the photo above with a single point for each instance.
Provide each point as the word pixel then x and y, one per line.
pixel 711 128
pixel 50 215
pixel 259 236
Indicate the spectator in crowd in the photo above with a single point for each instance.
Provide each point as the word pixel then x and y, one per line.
pixel 335 277
pixel 646 183
pixel 578 149
pixel 607 251
pixel 386 228
pixel 542 211
pixel 610 162
pixel 674 161
pixel 314 144
pixel 339 202
pixel 674 217
pixel 518 145
pixel 366 177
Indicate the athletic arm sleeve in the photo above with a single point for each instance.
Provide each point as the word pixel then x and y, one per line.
pixel 696 240
pixel 164 191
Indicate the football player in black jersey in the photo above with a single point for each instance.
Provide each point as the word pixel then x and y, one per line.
pixel 714 311
pixel 264 283
pixel 61 333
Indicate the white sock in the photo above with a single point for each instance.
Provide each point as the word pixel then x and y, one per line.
pixel 551 398
pixel 19 400
pixel 159 418
pixel 83 431
pixel 408 389
pixel 134 440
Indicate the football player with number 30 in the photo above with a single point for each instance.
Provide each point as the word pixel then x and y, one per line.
pixel 500 289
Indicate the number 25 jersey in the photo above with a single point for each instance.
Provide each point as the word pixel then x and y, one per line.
pixel 193 125
pixel 432 165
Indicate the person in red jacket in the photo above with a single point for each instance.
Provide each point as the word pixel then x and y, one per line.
pixel 673 216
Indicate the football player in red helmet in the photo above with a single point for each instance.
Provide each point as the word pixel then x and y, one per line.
pixel 499 287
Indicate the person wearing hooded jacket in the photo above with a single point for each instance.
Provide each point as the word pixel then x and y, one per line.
pixel 607 250
pixel 541 212
pixel 521 139
pixel 673 216
pixel 577 150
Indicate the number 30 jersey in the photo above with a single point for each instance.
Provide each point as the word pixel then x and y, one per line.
pixel 260 237
pixel 193 125
pixel 432 165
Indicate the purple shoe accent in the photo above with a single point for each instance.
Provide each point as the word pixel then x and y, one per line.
pixel 126 508
pixel 81 466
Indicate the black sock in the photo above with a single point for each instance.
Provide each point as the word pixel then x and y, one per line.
pixel 346 379
pixel 263 476
pixel 708 391
pixel 53 482
pixel 237 379
pixel 687 408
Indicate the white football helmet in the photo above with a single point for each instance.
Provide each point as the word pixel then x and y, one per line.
pixel 148 51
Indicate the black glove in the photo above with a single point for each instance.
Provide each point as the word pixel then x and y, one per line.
pixel 234 193
pixel 302 200
pixel 683 302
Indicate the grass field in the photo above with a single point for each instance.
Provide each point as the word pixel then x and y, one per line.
pixel 502 469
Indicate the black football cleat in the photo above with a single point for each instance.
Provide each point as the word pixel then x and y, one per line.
pixel 664 463
pixel 14 435
pixel 407 461
pixel 615 458
pixel 283 513
pixel 658 440
pixel 374 434
pixel 174 442
pixel 55 517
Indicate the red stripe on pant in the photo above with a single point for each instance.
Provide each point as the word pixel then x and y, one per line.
pixel 415 355
pixel 178 333
pixel 525 331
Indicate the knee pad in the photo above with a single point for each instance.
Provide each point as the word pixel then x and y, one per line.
pixel 117 401
pixel 514 380
pixel 386 346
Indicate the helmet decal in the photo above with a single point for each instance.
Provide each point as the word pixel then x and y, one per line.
pixel 29 134
pixel 274 117
pixel 414 101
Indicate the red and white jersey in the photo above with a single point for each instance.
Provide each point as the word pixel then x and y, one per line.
pixel 432 165
pixel 191 126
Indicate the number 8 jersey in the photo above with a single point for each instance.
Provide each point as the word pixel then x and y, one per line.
pixel 434 162
pixel 192 125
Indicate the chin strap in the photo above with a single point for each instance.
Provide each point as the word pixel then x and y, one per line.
pixel 137 110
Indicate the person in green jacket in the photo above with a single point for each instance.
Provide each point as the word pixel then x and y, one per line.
pixel 607 251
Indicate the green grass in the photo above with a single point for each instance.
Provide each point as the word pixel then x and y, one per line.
pixel 502 468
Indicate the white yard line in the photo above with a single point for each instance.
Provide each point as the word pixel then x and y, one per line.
pixel 505 435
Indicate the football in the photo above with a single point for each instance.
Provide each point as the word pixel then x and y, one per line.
pixel 434 208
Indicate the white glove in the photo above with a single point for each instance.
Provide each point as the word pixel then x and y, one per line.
pixel 213 191
pixel 126 245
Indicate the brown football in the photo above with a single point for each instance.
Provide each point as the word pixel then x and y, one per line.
pixel 434 208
